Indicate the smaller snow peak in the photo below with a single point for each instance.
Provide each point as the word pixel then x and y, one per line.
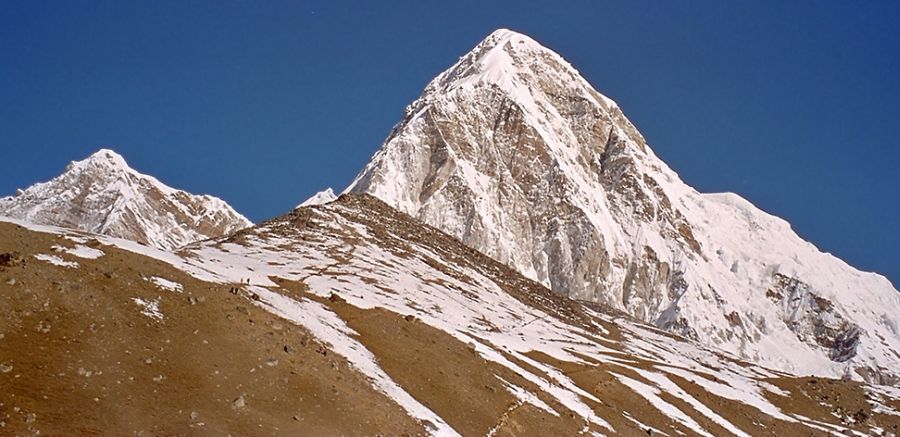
pixel 322 197
pixel 102 194
pixel 103 158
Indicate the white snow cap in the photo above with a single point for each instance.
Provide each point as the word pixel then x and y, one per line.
pixel 110 156
pixel 103 194
pixel 489 62
pixel 102 158
pixel 322 197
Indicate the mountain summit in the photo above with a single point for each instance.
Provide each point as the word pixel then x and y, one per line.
pixel 102 194
pixel 512 151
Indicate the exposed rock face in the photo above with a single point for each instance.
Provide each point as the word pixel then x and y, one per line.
pixel 102 194
pixel 513 152
pixel 814 317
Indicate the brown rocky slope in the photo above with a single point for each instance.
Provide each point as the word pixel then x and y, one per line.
pixel 357 320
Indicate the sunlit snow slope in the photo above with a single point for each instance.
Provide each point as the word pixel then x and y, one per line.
pixel 102 194
pixel 465 345
pixel 513 152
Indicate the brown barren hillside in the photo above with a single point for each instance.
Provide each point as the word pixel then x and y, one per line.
pixel 358 320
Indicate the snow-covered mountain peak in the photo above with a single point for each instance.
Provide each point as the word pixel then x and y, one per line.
pixel 495 59
pixel 103 163
pixel 109 168
pixel 498 39
pixel 103 194
pixel 512 151
pixel 103 158
pixel 516 64
pixel 502 35
pixel 322 197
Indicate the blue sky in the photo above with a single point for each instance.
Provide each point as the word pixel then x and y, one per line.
pixel 794 105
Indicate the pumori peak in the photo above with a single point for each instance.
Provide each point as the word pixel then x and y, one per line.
pixel 512 151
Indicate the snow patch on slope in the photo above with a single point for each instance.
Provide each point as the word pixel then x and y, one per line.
pixel 331 329
pixel 165 284
pixel 80 251
pixel 149 308
pixel 55 260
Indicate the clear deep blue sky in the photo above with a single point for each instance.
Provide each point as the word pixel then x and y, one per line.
pixel 794 105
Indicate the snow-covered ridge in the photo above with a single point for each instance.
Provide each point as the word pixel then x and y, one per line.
pixel 498 60
pixel 361 252
pixel 512 151
pixel 102 194
pixel 322 197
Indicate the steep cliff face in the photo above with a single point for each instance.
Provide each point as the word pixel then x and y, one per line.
pixel 102 194
pixel 513 152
